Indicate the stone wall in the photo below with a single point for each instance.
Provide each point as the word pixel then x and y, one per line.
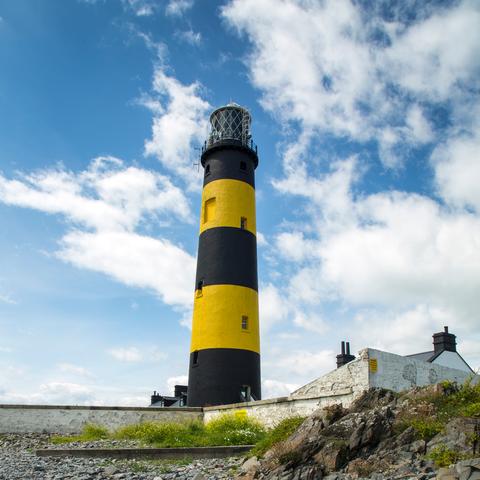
pixel 272 411
pixel 372 368
pixel 71 419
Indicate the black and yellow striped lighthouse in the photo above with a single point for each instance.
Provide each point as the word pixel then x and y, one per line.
pixel 225 348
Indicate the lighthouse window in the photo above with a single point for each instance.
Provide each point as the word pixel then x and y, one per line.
pixel 244 322
pixel 243 166
pixel 207 170
pixel 195 358
pixel 209 210
pixel 243 223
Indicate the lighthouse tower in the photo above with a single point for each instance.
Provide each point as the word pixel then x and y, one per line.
pixel 225 348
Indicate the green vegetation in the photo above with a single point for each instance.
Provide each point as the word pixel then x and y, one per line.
pixel 278 434
pixel 89 433
pixel 432 411
pixel 229 429
pixel 444 457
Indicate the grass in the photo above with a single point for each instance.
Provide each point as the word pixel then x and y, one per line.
pixel 90 432
pixel 431 412
pixel 228 429
pixel 278 434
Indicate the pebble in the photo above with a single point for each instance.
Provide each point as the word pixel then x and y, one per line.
pixel 19 462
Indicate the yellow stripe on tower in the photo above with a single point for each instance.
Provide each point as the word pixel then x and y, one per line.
pixel 225 202
pixel 220 315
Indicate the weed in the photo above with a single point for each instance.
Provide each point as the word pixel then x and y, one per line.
pixel 90 432
pixel 293 457
pixel 278 434
pixel 234 429
pixel 444 456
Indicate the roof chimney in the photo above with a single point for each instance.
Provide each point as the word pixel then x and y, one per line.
pixel 345 356
pixel 444 341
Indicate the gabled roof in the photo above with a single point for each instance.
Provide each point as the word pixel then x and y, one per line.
pixel 422 356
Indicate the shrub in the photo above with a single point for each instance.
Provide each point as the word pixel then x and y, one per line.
pixel 276 435
pixel 167 434
pixel 444 457
pixel 234 429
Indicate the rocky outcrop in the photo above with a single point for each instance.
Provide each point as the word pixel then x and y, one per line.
pixel 368 440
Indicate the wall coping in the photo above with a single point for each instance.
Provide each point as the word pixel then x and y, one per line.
pixel 95 407
pixel 270 401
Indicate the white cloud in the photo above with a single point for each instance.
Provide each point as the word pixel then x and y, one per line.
pixel 337 67
pixel 273 306
pixel 133 354
pixel 176 8
pixel 74 369
pixel 106 204
pixel 179 125
pixel 134 260
pixel 6 298
pixel 457 171
pixel 106 196
pixel 178 380
pixel 189 36
pixel 275 388
pixel 304 363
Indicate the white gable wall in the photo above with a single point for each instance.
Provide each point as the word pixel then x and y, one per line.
pixel 452 360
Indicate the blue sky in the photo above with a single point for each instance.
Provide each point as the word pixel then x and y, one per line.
pixel 366 116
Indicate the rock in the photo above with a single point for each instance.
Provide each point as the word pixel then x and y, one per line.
pixel 111 470
pixel 333 456
pixel 250 464
pixel 446 474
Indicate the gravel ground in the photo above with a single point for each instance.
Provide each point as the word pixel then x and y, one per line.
pixel 18 461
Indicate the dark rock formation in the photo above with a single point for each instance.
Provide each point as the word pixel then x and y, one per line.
pixel 370 440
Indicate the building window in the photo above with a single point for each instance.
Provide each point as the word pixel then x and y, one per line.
pixel 243 223
pixel 243 166
pixel 244 322
pixel 207 169
pixel 195 358
pixel 209 210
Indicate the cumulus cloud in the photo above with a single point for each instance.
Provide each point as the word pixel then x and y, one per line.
pixel 189 36
pixel 180 124
pixel 134 354
pixel 176 8
pixel 341 68
pixel 275 388
pixel 105 205
pixel 74 369
pixel 178 380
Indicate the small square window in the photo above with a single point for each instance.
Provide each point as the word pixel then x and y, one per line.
pixel 243 223
pixel 243 166
pixel 244 322
pixel 195 358
pixel 207 169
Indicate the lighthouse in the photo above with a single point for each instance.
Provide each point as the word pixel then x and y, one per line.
pixel 225 347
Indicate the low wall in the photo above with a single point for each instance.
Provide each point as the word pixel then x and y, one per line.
pixel 272 411
pixel 63 419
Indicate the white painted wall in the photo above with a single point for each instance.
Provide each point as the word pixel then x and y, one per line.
pixel 401 373
pixel 452 360
pixel 71 419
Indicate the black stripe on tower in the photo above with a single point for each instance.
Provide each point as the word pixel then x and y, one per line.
pixel 229 163
pixel 227 256
pixel 223 370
